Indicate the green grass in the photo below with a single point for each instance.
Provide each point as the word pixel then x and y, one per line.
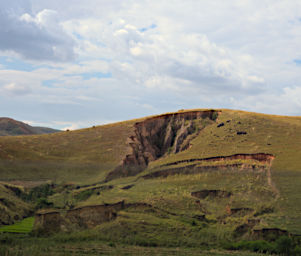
pixel 81 156
pixel 12 207
pixel 82 244
pixel 24 226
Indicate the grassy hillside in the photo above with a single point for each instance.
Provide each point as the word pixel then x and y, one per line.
pixel 187 179
pixel 82 156
pixel 11 127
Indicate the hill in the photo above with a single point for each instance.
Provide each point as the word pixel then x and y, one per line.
pixel 12 127
pixel 184 179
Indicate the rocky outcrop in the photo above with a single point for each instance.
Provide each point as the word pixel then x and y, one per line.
pixel 158 135
pixel 82 217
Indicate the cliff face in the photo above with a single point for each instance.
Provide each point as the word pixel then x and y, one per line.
pixel 156 136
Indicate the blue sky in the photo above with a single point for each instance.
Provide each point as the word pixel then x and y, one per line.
pixel 73 64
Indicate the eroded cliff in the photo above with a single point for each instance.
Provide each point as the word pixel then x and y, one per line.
pixel 156 136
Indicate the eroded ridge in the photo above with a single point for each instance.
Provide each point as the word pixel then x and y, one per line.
pixel 158 135
pixel 262 162
pixel 82 217
pixel 260 157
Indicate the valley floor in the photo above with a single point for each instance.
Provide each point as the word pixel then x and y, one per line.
pixel 23 245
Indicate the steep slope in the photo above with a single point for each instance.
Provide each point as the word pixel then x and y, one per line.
pixel 10 127
pixel 156 136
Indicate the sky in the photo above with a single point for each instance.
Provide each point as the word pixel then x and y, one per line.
pixel 73 64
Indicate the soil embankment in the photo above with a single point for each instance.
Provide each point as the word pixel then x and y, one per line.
pixel 82 217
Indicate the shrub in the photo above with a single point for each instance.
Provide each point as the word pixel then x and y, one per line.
pixel 260 246
pixel 84 195
pixel 43 203
pixel 297 251
pixel 284 245
pixel 39 192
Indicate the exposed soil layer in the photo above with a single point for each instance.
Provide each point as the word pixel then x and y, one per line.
pixel 264 162
pixel 192 169
pixel 128 187
pixel 246 227
pixel 52 221
pixel 158 135
pixel 260 157
pixel 211 194
pixel 239 212
pixel 83 217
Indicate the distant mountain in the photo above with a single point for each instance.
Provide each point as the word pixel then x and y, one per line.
pixel 10 126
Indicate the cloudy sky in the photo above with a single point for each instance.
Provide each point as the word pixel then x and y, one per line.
pixel 72 64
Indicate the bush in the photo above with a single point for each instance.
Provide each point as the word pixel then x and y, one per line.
pixel 39 192
pixel 84 195
pixel 260 246
pixel 297 251
pixel 43 203
pixel 284 245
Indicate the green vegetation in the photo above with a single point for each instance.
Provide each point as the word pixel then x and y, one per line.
pixel 24 226
pixel 283 246
pixel 83 244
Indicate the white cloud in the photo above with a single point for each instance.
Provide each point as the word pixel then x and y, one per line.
pixel 34 37
pixel 162 56
pixel 13 89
